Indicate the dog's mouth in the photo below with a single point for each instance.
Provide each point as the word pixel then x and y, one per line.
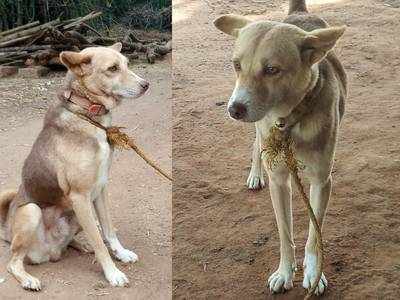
pixel 132 93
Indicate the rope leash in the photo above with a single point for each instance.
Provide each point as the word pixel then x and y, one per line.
pixel 121 140
pixel 114 134
pixel 278 149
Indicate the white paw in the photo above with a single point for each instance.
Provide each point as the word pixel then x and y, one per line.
pixel 255 181
pixel 126 255
pixel 310 275
pixel 280 281
pixel 32 284
pixel 117 278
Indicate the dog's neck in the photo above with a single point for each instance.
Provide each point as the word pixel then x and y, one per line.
pixel 78 99
pixel 306 104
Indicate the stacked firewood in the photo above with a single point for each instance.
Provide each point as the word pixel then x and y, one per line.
pixel 40 44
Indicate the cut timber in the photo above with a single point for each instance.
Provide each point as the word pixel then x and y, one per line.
pixel 15 41
pixel 28 32
pixel 88 17
pixel 19 28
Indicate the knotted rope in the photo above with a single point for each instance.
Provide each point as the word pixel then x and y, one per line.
pixel 279 149
pixel 121 140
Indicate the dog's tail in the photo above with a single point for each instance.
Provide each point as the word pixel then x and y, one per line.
pixel 6 198
pixel 297 6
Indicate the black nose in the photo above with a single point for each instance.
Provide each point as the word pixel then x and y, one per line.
pixel 237 111
pixel 145 85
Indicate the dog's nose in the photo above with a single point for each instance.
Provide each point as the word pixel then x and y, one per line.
pixel 237 111
pixel 145 85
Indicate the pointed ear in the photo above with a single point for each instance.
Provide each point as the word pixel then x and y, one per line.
pixel 74 61
pixel 116 47
pixel 319 42
pixel 231 24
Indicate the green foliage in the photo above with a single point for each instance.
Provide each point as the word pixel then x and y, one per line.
pixel 18 12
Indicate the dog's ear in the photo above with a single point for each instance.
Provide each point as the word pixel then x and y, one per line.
pixel 116 47
pixel 231 24
pixel 75 61
pixel 319 42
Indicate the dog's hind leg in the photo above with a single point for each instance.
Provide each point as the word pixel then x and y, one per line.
pixel 256 177
pixel 320 191
pixel 24 230
pixel 102 209
pixel 281 194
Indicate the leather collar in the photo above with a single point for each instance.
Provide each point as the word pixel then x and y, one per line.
pixel 92 109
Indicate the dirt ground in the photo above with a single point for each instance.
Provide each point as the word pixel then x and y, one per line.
pixel 141 199
pixel 224 236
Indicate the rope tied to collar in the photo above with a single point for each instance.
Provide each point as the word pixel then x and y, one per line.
pixel 279 149
pixel 115 136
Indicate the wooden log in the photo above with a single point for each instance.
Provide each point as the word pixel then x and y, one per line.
pixel 88 17
pixel 92 29
pixel 15 41
pixel 33 48
pixel 17 62
pixel 77 36
pixel 19 28
pixel 28 32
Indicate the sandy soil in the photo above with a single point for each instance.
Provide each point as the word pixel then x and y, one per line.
pixel 141 199
pixel 224 236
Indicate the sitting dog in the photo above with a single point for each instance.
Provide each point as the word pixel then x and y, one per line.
pixel 288 74
pixel 66 172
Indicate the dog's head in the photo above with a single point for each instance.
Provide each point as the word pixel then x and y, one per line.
pixel 105 72
pixel 274 63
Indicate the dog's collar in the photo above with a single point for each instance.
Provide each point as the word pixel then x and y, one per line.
pixel 92 109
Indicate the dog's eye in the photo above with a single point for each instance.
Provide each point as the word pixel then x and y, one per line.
pixel 270 70
pixel 113 68
pixel 237 66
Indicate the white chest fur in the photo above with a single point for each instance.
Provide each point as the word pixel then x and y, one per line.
pixel 103 160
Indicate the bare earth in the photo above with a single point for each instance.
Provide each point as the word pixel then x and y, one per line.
pixel 141 200
pixel 224 236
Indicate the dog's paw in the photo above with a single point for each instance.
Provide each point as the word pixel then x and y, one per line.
pixel 281 280
pixel 126 255
pixel 310 275
pixel 117 278
pixel 255 181
pixel 31 283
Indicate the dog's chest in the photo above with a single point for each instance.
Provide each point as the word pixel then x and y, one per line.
pixel 103 159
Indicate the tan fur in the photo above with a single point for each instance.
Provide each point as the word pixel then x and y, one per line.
pixel 277 65
pixel 67 171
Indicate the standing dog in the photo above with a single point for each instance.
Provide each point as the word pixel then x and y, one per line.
pixel 287 73
pixel 66 172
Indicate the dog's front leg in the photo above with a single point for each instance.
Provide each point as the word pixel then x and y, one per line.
pixel 102 209
pixel 281 194
pixel 320 191
pixel 82 206
pixel 256 177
